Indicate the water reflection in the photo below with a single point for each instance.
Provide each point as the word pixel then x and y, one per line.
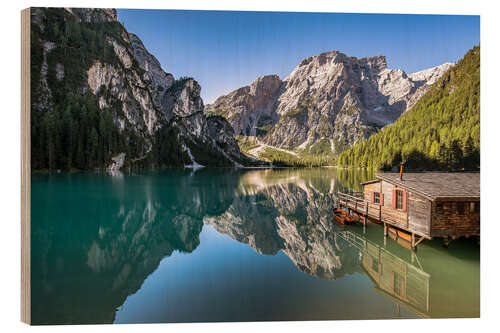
pixel 403 282
pixel 96 238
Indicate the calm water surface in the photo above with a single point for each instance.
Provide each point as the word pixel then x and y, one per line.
pixel 229 245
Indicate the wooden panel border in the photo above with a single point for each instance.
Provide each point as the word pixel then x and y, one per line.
pixel 25 167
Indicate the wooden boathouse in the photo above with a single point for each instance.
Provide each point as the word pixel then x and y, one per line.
pixel 420 205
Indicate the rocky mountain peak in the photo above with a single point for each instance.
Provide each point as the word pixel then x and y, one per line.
pixel 430 75
pixel 377 62
pixel 158 120
pixel 250 107
pixel 327 103
pixel 94 15
pixel 161 80
pixel 186 100
pixel 264 85
pixel 332 58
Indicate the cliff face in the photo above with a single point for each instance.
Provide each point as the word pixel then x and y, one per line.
pixel 91 15
pixel 115 73
pixel 251 107
pixel 329 102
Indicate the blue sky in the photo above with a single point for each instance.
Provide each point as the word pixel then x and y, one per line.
pixel 225 50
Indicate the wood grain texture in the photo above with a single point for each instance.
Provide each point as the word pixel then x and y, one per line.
pixel 450 221
pixel 369 189
pixel 388 212
pixel 25 167
pixel 419 218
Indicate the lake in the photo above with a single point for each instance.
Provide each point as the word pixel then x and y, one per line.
pixel 229 245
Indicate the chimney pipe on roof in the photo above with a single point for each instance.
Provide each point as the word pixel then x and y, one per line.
pixel 401 170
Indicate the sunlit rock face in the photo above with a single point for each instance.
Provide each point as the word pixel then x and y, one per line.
pixel 250 107
pixel 143 98
pixel 94 15
pixel 331 100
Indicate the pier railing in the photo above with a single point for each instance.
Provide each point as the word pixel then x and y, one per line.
pixel 356 202
pixel 353 201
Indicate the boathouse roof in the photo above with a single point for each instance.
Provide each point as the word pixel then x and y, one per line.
pixel 437 185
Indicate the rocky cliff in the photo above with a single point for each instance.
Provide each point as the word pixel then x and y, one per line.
pixel 85 59
pixel 250 108
pixel 329 102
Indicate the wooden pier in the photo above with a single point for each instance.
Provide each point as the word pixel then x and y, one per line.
pixel 355 203
pixel 419 206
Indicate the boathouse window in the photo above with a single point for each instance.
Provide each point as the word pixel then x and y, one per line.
pixel 474 207
pixel 399 199
pixel 376 197
pixel 461 207
pixel 439 208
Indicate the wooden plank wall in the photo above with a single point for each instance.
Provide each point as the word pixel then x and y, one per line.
pixel 385 189
pixel 368 189
pixel 25 168
pixel 387 210
pixel 450 222
pixel 419 214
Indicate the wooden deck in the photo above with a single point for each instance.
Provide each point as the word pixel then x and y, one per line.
pixel 355 202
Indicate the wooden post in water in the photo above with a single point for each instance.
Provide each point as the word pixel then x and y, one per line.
pixel 413 247
pixel 366 213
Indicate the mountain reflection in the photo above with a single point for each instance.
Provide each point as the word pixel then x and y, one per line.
pixel 96 245
pixel 111 243
pixel 290 211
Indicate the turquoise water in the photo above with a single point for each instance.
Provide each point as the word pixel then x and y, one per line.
pixel 229 245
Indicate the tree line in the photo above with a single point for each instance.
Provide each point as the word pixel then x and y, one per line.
pixel 441 132
pixel 70 131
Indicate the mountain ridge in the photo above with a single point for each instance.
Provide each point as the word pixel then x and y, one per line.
pixel 441 132
pixel 101 100
pixel 326 104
